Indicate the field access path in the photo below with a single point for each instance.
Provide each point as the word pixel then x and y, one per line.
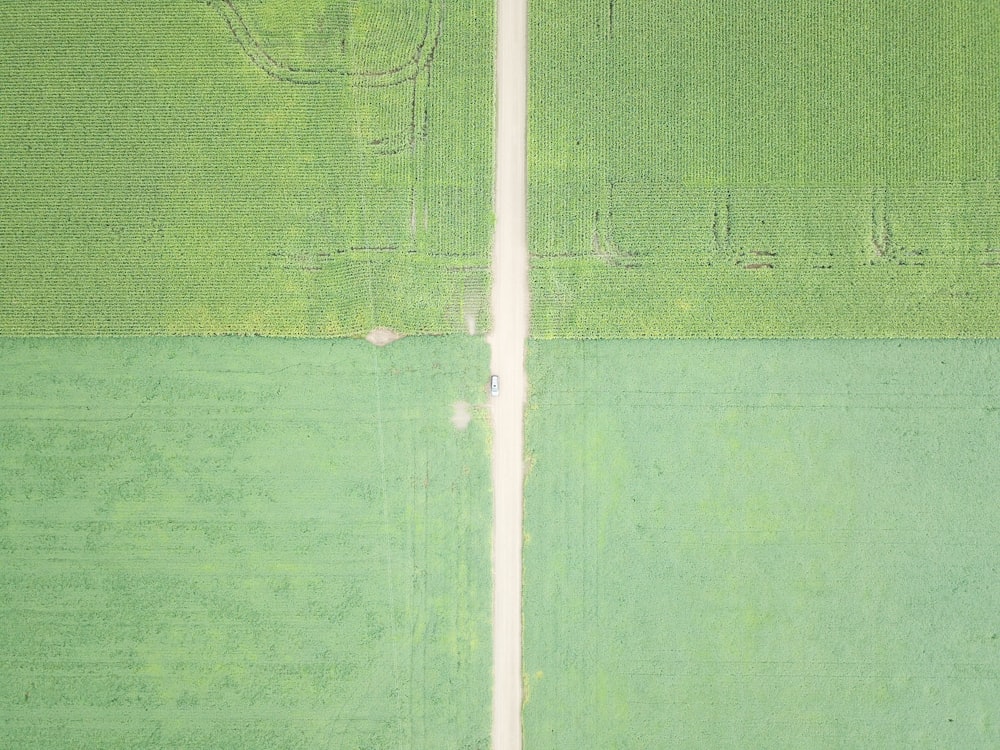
pixel 509 307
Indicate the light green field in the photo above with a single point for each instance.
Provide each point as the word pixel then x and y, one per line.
pixel 749 169
pixel 762 545
pixel 206 166
pixel 243 543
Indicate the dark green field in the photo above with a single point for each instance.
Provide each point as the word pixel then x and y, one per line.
pixel 747 169
pixel 283 168
pixel 243 543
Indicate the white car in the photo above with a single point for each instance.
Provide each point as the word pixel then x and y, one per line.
pixel 495 385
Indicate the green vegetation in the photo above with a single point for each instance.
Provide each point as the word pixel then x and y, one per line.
pixel 225 166
pixel 780 544
pixel 807 168
pixel 243 543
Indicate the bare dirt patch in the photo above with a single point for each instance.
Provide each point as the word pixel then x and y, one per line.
pixel 461 414
pixel 383 336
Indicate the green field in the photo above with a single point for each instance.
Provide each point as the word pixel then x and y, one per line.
pixel 243 543
pixel 303 168
pixel 780 544
pixel 749 169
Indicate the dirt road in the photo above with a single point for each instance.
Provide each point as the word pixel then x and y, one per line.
pixel 510 329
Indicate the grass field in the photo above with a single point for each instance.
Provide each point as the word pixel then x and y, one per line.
pixel 243 543
pixel 226 166
pixel 762 544
pixel 810 168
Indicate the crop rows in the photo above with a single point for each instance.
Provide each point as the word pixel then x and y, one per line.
pixel 761 544
pixel 242 543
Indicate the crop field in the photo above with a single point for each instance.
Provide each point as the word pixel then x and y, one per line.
pixel 243 543
pixel 763 169
pixel 280 167
pixel 777 544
